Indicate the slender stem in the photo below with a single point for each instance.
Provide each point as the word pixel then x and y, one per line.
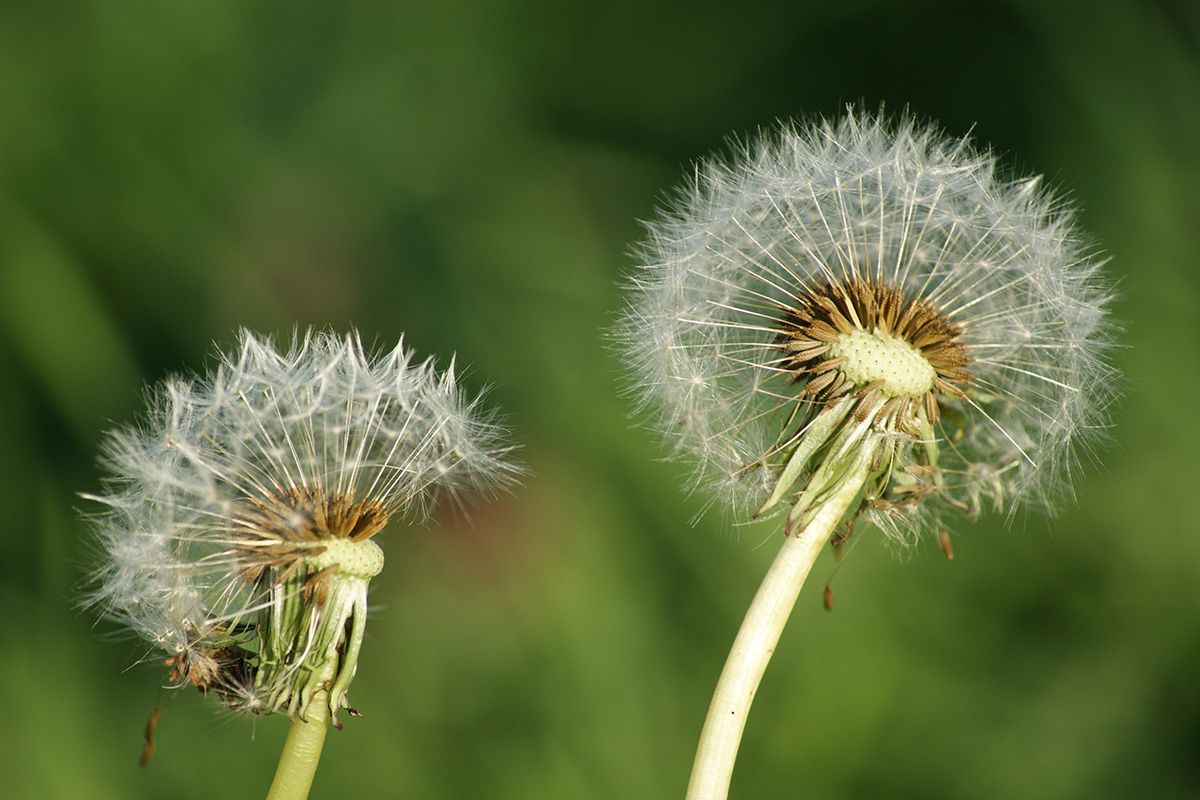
pixel 756 641
pixel 301 752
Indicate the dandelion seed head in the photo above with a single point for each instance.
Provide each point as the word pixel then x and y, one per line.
pixel 881 273
pixel 240 513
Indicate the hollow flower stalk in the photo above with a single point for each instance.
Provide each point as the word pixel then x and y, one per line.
pixel 238 538
pixel 862 319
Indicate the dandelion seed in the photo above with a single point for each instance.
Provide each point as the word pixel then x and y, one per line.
pixel 238 537
pixel 861 319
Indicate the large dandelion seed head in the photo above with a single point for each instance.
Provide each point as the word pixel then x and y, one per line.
pixel 238 535
pixel 873 287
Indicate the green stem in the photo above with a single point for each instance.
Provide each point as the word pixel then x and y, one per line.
pixel 301 752
pixel 757 638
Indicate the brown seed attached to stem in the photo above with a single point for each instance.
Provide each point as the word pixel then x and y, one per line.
pixel 944 542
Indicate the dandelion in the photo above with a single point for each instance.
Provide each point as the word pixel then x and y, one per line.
pixel 862 319
pixel 238 537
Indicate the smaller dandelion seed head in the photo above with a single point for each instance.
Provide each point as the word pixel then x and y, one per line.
pixel 871 286
pixel 240 515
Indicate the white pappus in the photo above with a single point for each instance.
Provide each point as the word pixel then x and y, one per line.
pixel 240 513
pixel 870 289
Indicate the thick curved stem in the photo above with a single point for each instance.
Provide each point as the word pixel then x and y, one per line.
pixel 301 752
pixel 756 640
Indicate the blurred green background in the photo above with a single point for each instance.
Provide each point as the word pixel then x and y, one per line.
pixel 471 173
